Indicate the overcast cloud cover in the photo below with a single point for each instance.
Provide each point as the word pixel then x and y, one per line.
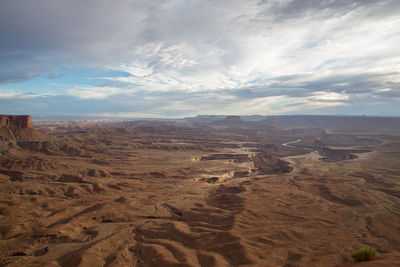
pixel 141 58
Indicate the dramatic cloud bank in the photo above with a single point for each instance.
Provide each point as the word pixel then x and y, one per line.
pixel 184 57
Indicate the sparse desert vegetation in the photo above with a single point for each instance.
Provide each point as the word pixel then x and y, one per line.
pixel 364 254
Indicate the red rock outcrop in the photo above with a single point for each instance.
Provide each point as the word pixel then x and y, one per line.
pixel 15 122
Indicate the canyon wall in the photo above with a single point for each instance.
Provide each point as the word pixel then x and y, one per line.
pixel 15 122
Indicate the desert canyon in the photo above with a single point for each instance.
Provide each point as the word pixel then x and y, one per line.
pixel 201 191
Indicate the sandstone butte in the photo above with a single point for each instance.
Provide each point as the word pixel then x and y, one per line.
pixel 15 121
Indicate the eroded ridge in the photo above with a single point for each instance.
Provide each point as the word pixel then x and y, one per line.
pixel 196 236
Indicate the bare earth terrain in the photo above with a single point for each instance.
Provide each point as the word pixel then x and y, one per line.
pixel 199 193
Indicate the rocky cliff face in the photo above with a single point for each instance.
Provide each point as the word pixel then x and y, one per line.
pixel 15 122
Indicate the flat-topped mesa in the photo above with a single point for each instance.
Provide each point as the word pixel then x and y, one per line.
pixel 15 121
pixel 229 121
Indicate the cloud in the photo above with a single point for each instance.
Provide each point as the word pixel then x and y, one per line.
pixel 14 95
pixel 329 96
pixel 93 92
pixel 262 56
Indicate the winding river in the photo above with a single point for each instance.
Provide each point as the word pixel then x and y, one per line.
pixel 288 144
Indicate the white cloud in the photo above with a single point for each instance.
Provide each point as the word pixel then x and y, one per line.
pixel 329 96
pixel 93 92
pixel 252 50
pixel 11 95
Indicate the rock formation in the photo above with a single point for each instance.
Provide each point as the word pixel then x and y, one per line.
pixel 15 122
pixel 229 121
pixel 232 119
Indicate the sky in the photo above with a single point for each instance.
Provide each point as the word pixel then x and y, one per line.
pixel 177 58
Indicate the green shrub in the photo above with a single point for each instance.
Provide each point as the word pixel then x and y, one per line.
pixel 364 254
